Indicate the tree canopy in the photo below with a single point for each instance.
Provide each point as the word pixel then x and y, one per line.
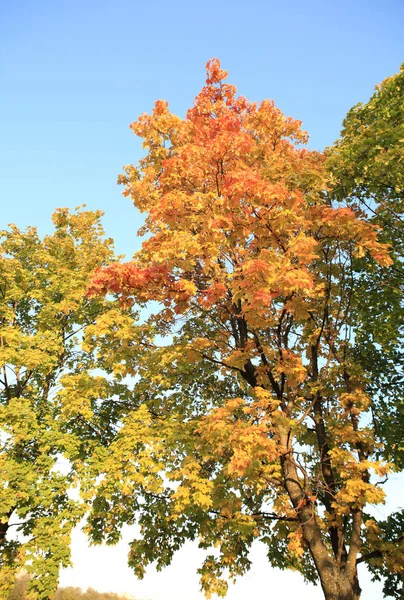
pixel 367 165
pixel 43 310
pixel 239 379
pixel 253 417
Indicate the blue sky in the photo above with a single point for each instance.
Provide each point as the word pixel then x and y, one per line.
pixel 75 74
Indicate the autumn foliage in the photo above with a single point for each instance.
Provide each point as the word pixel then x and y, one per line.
pixel 43 311
pixel 253 419
pixel 214 387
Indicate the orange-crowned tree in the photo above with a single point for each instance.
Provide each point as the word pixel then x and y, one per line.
pixel 249 416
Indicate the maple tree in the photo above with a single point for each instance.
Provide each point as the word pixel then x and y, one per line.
pixel 43 310
pixel 367 168
pixel 249 413
pixel 367 165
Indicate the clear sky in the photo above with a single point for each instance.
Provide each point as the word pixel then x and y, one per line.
pixel 74 74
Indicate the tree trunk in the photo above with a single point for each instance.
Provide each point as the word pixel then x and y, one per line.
pixel 349 590
pixel 336 584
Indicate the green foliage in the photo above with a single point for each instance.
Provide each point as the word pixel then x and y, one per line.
pixel 383 550
pixel 367 163
pixel 43 310
pixel 368 159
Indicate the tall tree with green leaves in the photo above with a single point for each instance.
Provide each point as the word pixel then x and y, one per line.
pixel 251 417
pixel 43 311
pixel 367 165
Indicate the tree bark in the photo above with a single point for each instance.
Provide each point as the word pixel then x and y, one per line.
pixel 336 584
